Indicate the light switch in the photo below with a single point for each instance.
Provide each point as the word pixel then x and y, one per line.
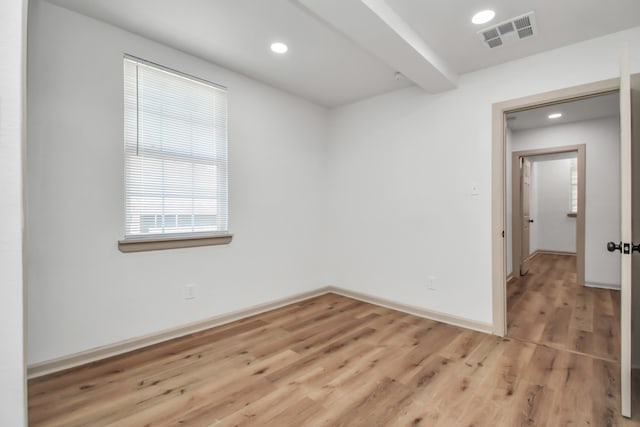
pixel 475 190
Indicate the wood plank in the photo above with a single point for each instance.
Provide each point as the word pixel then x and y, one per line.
pixel 333 361
pixel 553 310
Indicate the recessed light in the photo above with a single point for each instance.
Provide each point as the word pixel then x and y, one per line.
pixel 483 17
pixel 555 115
pixel 279 47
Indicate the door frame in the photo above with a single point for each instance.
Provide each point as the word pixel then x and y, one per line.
pixel 498 180
pixel 516 207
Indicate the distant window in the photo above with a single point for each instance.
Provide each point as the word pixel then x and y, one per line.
pixel 573 204
pixel 175 144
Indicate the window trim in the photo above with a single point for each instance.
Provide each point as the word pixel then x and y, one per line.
pixel 173 242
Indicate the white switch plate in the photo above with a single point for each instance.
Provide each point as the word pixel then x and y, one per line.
pixel 189 291
pixel 475 189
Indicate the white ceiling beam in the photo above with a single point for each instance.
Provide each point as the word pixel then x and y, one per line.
pixel 376 27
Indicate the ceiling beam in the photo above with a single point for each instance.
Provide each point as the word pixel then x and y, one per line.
pixel 377 28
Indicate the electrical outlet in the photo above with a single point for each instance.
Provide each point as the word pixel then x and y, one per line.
pixel 189 291
pixel 432 283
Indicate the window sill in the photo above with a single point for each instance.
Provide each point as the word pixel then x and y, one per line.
pixel 155 244
pixel 572 215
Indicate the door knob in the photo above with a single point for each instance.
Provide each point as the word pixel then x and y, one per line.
pixel 611 247
pixel 530 220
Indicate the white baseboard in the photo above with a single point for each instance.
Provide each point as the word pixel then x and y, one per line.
pixel 77 359
pixel 602 285
pixel 551 252
pixel 416 311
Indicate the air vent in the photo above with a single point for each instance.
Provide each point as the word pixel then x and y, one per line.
pixel 525 32
pixel 491 34
pixel 522 22
pixel 505 28
pixel 510 31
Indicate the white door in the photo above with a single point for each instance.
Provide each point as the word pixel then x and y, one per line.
pixel 626 233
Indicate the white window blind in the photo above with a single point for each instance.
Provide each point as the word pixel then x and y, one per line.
pixel 175 153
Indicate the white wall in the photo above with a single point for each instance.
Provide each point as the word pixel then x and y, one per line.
pixel 551 230
pixel 12 100
pixel 602 199
pixel 83 292
pixel 400 172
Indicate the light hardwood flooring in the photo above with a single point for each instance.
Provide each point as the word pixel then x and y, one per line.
pixel 547 306
pixel 334 361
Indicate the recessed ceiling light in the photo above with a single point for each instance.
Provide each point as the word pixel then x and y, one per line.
pixel 279 47
pixel 483 17
pixel 555 115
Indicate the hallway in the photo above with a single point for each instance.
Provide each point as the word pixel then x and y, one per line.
pixel 548 307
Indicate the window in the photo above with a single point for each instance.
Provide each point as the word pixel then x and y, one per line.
pixel 573 171
pixel 175 144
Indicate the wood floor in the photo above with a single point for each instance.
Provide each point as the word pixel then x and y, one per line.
pixel 334 361
pixel 547 306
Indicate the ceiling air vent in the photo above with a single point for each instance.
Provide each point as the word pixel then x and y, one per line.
pixel 510 31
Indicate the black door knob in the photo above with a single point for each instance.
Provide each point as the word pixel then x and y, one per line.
pixel 530 220
pixel 611 247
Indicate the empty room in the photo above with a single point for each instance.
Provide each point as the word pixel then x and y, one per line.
pixel 319 213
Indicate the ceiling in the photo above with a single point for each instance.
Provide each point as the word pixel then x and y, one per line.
pixel 591 108
pixel 341 51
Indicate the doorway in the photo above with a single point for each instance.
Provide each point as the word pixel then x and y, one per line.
pixel 547 302
pixel 499 183
pixel 629 92
pixel 558 224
